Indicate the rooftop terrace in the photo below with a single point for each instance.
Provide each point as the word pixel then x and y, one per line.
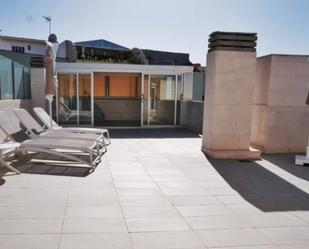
pixel 155 189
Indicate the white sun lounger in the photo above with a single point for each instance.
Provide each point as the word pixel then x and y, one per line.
pixel 33 129
pixel 70 149
pixel 4 147
pixel 45 119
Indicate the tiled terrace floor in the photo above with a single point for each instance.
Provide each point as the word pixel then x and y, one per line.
pixel 156 190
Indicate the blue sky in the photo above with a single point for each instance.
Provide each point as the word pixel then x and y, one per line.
pixel 171 25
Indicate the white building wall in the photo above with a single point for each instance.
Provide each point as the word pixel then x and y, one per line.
pixel 36 48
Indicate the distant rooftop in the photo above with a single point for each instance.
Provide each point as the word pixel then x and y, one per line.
pixel 156 57
pixel 13 38
pixel 101 43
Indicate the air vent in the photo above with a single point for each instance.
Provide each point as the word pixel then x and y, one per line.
pixel 233 41
pixel 38 62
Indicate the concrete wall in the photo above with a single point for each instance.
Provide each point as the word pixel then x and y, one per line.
pixel 120 109
pixel 280 115
pixel 165 111
pixel 195 116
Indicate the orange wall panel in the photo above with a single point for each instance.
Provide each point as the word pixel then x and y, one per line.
pixel 99 85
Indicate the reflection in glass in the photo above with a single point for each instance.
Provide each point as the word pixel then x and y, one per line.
pixel 162 99
pixel 6 81
pixel 117 99
pixel 67 104
pixel 84 99
pixel 19 80
pixel 146 100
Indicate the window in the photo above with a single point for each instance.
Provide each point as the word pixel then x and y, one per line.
pixel 14 80
pixel 29 47
pixel 18 49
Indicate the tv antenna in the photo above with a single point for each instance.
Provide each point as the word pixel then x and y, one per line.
pixel 48 19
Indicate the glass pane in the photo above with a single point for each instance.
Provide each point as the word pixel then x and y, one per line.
pixel 117 99
pixel 67 104
pixel 162 99
pixel 179 98
pixel 85 99
pixel 124 86
pixel 6 81
pixel 198 85
pixel 19 80
pixel 100 93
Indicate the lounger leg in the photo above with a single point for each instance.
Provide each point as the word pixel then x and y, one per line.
pixel 9 166
pixel 108 138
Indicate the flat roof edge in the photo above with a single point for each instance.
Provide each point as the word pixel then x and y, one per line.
pixel 286 55
pixel 66 66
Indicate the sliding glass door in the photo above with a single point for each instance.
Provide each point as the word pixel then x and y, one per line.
pixel 119 99
pixel 74 99
pixel 162 100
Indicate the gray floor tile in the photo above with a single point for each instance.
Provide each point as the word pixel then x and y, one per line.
pixel 156 224
pixel 144 201
pixel 32 212
pixel 95 241
pixel 193 200
pixel 94 225
pixel 233 237
pixel 217 222
pixel 93 212
pixel 29 241
pixel 283 235
pixel 26 226
pixel 165 240
pixel 273 220
pixel 205 210
pixel 149 212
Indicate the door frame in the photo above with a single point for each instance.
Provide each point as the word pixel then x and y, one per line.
pixel 77 96
pixel 148 125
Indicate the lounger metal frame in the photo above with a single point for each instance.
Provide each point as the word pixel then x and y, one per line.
pixel 93 151
pixel 45 119
pixel 31 125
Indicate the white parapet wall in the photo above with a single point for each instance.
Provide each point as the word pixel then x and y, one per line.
pixel 280 115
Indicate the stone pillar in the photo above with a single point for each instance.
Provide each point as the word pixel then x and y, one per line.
pixel 38 85
pixel 230 80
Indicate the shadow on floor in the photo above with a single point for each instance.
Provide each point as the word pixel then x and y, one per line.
pixel 48 165
pixel 152 133
pixel 2 181
pixel 287 163
pixel 260 187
